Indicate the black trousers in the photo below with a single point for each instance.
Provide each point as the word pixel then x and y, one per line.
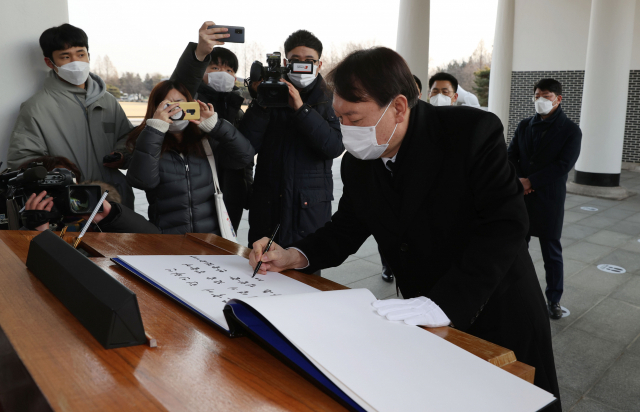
pixel 553 267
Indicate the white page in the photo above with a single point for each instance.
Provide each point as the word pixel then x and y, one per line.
pixel 207 282
pixel 391 366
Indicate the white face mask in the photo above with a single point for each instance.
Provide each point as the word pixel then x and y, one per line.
pixel 221 81
pixel 544 106
pixel 303 80
pixel 178 125
pixel 75 72
pixel 361 141
pixel 440 100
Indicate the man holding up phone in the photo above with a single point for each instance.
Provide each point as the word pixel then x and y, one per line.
pixel 209 75
pixel 73 115
pixel 293 182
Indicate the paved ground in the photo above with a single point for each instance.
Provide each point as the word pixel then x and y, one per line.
pixel 597 347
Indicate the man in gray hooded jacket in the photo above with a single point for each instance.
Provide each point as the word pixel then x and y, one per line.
pixel 73 115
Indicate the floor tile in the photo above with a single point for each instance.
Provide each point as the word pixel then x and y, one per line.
pixel 629 292
pixel 585 251
pixel 629 228
pixel 582 358
pixel 612 320
pixel 633 245
pixel 635 218
pixel 351 271
pixel 608 238
pixel 578 300
pixel 578 231
pixel 617 213
pixel 368 248
pixel 589 405
pixel 597 281
pixel 620 386
pixel 571 267
pixel 376 285
pixel 598 221
pixel 623 258
pixel 569 398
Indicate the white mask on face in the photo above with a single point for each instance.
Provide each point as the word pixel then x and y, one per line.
pixel 361 141
pixel 221 81
pixel 75 72
pixel 544 106
pixel 178 125
pixel 440 100
pixel 303 80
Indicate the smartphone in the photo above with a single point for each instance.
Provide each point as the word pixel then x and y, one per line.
pixel 236 33
pixel 190 110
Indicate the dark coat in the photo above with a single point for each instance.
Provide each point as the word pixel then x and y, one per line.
pixel 451 224
pixel 293 182
pixel 180 190
pixel 121 219
pixel 234 183
pixel 544 151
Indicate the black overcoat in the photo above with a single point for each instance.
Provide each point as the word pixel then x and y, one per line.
pixel 451 224
pixel 293 182
pixel 544 151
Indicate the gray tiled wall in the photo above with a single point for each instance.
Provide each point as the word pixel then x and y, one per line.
pixel 521 106
pixel 631 147
pixel 522 84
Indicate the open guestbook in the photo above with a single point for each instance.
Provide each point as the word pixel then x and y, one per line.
pixel 337 340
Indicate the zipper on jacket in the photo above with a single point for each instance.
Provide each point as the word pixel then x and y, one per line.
pixel 186 168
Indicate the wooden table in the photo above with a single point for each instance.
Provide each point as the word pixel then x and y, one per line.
pixel 48 361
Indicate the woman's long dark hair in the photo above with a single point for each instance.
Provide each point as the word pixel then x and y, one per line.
pixel 191 136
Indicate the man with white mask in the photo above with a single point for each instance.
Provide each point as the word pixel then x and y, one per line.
pixel 73 116
pixel 443 89
pixel 210 75
pixel 296 146
pixel 544 148
pixel 435 189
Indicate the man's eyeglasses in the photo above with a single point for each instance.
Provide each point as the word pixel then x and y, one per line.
pixel 548 97
pixel 307 61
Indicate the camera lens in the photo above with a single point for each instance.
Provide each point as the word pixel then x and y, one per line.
pixel 238 31
pixel 79 201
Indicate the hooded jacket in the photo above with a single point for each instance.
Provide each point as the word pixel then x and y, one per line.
pixel 82 125
pixel 293 182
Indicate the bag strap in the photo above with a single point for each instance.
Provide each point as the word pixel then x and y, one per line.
pixel 212 164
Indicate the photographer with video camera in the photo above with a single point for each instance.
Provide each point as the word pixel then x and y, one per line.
pixel 209 74
pixel 293 182
pixel 65 203
pixel 170 163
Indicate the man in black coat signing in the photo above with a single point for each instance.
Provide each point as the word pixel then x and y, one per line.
pixel 296 145
pixel 543 150
pixel 434 187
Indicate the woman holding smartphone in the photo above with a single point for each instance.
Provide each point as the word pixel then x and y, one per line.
pixel 169 161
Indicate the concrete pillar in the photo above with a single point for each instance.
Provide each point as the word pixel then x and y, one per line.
pixel 603 114
pixel 413 38
pixel 22 67
pixel 502 62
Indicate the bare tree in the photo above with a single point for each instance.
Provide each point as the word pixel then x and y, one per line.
pixel 464 70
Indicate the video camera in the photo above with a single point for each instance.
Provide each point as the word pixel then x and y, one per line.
pixel 69 199
pixel 272 92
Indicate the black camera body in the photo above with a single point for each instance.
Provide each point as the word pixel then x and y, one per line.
pixel 69 199
pixel 272 92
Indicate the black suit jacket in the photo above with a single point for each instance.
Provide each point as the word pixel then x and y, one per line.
pixel 545 151
pixel 451 224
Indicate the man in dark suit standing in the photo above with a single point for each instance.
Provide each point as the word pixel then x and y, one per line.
pixel 434 187
pixel 543 150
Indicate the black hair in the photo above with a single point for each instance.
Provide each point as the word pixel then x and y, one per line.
pixel 303 38
pixel 62 38
pixel 549 85
pixel 418 82
pixel 357 77
pixel 223 56
pixel 442 76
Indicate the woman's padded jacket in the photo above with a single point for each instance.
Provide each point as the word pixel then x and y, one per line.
pixel 180 188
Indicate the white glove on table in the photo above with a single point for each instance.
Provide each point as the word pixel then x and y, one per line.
pixel 416 311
